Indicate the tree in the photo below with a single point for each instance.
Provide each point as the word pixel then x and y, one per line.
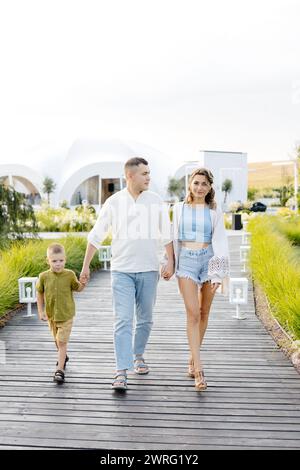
pixel 252 192
pixel 16 214
pixel 176 187
pixel 285 192
pixel 48 187
pixel 226 187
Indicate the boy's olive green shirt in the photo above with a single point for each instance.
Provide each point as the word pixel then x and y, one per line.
pixel 58 293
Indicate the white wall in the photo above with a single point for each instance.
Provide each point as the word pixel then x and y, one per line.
pixel 227 165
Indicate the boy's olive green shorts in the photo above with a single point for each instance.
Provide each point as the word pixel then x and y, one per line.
pixel 61 330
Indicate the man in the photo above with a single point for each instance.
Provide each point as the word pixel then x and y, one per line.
pixel 137 219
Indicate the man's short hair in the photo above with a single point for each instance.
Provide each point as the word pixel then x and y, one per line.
pixel 55 249
pixel 136 161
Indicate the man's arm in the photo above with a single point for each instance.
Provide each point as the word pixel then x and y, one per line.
pixel 170 252
pixel 166 233
pixel 85 272
pixel 95 238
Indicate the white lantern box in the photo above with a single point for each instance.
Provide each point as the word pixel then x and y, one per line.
pixel 244 255
pixel 246 238
pixel 27 292
pixel 105 254
pixel 238 294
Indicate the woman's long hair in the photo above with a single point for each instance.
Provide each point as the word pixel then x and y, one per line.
pixel 210 197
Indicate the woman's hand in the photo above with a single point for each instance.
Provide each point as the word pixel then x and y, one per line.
pixel 214 287
pixel 167 270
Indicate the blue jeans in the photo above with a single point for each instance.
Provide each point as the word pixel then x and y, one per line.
pixel 132 293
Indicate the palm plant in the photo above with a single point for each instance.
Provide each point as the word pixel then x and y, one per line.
pixel 48 187
pixel 226 187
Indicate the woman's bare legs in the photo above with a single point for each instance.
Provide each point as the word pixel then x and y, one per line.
pixel 189 291
pixel 205 297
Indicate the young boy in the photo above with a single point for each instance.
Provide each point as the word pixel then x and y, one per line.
pixel 56 304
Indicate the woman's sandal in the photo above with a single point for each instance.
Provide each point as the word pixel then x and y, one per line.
pixel 191 369
pixel 59 376
pixel 200 382
pixel 140 367
pixel 120 382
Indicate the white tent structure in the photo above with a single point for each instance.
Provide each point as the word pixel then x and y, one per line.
pixel 90 170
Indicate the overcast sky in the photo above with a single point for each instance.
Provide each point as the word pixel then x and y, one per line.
pixel 179 76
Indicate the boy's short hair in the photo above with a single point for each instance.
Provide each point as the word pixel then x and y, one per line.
pixel 55 248
pixel 136 161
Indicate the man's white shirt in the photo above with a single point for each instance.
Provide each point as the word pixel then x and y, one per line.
pixel 138 228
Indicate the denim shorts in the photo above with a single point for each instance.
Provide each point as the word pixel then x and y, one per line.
pixel 193 264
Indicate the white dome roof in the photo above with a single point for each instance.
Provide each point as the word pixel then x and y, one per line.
pixel 101 154
pixel 89 157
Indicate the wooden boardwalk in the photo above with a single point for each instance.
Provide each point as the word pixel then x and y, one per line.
pixel 253 399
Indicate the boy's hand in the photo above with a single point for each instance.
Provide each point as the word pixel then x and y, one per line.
pixel 43 316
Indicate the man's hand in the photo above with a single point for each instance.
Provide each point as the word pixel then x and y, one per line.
pixel 84 275
pixel 43 316
pixel 83 281
pixel 167 270
pixel 214 287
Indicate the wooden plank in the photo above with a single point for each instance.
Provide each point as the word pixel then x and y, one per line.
pixel 252 402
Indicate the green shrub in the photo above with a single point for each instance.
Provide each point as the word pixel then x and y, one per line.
pixel 81 219
pixel 290 227
pixel 274 266
pixel 28 258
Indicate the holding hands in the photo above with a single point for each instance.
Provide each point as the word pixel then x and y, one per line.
pixel 84 276
pixel 167 270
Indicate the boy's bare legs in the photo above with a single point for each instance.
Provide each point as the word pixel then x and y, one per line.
pixel 59 375
pixel 62 353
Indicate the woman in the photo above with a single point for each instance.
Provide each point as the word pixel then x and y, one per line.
pixel 201 260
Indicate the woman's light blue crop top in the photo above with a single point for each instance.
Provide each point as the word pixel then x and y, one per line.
pixel 195 224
